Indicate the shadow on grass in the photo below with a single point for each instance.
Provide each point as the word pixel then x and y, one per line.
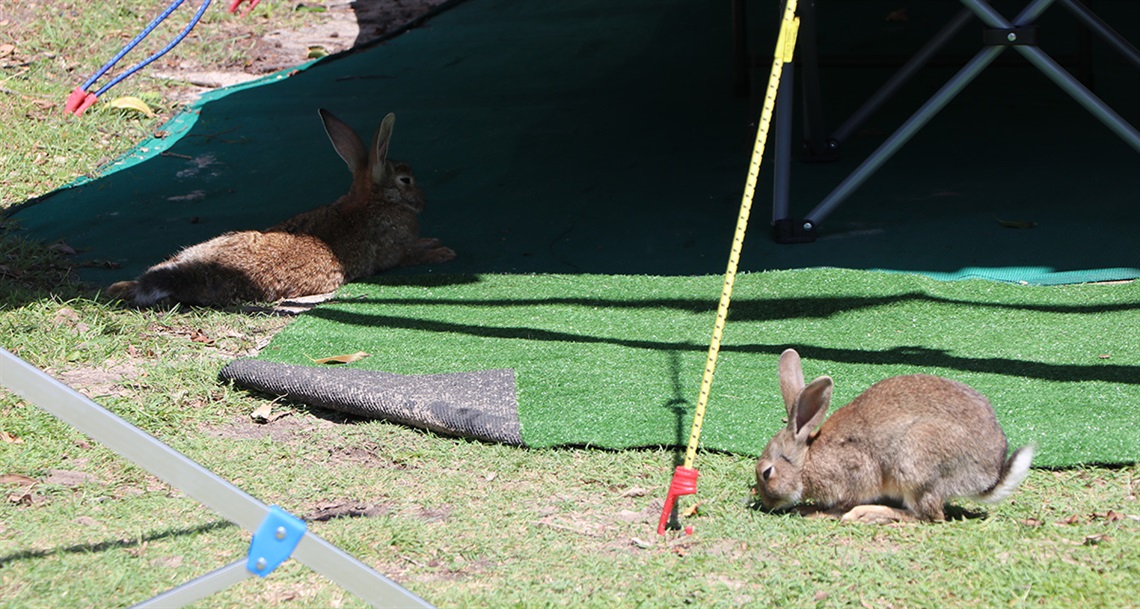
pixel 914 356
pixel 31 271
pixel 743 309
pixel 952 512
pixel 118 544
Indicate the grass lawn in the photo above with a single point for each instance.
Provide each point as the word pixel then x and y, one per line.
pixel 461 523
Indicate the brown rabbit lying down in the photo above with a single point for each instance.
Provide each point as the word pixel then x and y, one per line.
pixel 373 228
pixel 917 440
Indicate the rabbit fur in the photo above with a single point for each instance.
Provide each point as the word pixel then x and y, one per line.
pixel 373 228
pixel 915 440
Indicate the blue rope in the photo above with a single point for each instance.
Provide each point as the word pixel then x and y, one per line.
pixel 137 39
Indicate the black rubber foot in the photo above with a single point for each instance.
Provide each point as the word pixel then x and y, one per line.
pixel 793 231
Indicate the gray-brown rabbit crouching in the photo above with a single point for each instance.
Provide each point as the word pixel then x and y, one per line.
pixel 375 227
pixel 915 440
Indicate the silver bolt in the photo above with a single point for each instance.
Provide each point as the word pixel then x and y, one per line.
pixel 261 564
pixel 807 225
pixel 1012 37
pixel 280 533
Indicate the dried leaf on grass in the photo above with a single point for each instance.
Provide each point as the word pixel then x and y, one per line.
pixel 1071 519
pixel 63 248
pixel 131 103
pixel 1096 540
pixel 17 479
pixel 342 359
pixel 10 438
pixel 261 413
pixel 23 494
pixel 264 414
pixel 27 498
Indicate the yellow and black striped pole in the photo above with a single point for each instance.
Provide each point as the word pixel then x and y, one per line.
pixel 685 476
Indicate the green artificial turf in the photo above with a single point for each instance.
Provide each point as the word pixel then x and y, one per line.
pixel 616 361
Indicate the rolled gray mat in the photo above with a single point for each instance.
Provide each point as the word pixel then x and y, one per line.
pixel 480 405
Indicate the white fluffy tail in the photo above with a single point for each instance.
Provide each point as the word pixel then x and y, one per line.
pixel 1015 470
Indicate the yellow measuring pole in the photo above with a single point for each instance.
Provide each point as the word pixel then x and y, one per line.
pixel 785 45
pixel 684 476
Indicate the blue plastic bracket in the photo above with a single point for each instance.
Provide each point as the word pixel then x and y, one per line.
pixel 274 541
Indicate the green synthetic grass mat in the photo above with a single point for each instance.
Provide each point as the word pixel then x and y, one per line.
pixel 615 361
pixel 594 136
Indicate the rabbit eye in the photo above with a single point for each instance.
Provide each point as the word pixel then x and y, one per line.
pixel 767 473
pixel 405 180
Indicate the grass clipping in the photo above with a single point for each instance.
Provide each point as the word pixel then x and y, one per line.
pixel 616 361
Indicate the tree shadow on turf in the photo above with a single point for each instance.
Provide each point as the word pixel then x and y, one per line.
pixel 122 544
pixel 911 356
pixel 744 309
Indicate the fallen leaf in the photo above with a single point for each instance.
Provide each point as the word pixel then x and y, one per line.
pixel 1032 522
pixel 131 103
pixel 342 359
pixel 63 248
pixel 24 498
pixel 198 336
pixel 692 510
pixel 1097 539
pixel 491 476
pixel 261 413
pixel 10 438
pixel 1105 356
pixel 644 545
pixel 1113 516
pixel 1074 519
pixel 17 479
pixel 7 49
pixel 316 51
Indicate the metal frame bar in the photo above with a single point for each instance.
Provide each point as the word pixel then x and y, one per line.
pixel 983 11
pixel 180 471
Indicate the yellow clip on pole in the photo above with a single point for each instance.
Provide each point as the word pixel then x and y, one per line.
pixel 685 477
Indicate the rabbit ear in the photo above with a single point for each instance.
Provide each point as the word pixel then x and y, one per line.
pixel 810 409
pixel 791 378
pixel 345 141
pixel 379 161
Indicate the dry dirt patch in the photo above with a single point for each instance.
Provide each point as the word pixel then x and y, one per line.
pixel 341 25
